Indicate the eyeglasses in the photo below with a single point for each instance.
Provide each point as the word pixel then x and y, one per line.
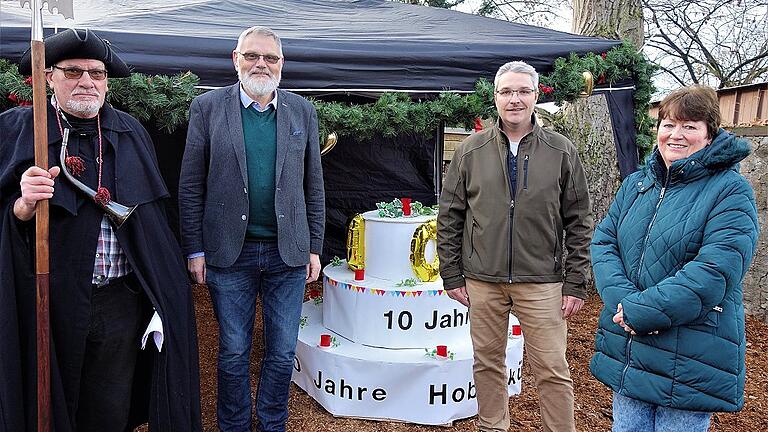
pixel 269 58
pixel 507 93
pixel 76 73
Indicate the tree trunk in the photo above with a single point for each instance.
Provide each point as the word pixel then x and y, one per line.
pixel 589 128
pixel 587 121
pixel 613 19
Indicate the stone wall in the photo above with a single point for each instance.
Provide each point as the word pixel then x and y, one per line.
pixel 755 169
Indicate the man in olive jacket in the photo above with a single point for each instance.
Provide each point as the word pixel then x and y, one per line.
pixel 510 193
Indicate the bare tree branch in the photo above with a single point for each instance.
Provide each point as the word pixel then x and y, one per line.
pixel 715 42
pixel 718 42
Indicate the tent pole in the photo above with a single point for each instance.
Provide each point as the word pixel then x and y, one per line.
pixel 439 148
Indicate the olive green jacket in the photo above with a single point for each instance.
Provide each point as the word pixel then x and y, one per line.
pixel 484 234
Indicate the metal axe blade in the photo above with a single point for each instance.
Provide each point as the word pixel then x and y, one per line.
pixel 63 7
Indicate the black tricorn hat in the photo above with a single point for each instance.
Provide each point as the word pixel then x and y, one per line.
pixel 79 44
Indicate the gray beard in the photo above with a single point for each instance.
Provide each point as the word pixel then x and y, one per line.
pixel 85 109
pixel 256 86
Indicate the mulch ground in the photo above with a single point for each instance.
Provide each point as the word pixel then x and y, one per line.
pixel 592 405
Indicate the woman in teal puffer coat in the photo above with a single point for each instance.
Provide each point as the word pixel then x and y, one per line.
pixel 668 260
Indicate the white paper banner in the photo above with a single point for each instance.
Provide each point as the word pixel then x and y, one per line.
pixel 373 312
pixel 409 385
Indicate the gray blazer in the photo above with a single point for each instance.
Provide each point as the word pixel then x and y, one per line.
pixel 213 187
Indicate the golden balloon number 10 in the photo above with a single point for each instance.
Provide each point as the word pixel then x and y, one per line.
pixel 424 270
pixel 404 320
pixel 356 243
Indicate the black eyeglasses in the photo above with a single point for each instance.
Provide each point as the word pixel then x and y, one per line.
pixel 269 58
pixel 76 73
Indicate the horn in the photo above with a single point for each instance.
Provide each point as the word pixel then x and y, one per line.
pixel 589 84
pixel 118 213
pixel 329 143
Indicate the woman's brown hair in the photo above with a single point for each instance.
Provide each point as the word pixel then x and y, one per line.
pixel 693 103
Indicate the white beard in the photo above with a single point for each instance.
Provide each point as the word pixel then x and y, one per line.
pixel 85 109
pixel 257 86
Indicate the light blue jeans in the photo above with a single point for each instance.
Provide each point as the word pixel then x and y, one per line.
pixel 632 415
pixel 258 272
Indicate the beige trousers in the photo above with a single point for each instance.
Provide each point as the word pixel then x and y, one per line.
pixel 537 306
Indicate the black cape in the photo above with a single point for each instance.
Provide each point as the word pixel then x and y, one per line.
pixel 166 389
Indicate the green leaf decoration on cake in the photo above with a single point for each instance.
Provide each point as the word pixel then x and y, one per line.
pixel 433 353
pixel 394 209
pixel 336 261
pixel 420 209
pixel 410 282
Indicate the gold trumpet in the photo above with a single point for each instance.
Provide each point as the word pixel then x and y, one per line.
pixel 589 84
pixel 329 143
pixel 118 213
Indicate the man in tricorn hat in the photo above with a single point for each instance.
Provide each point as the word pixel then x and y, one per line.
pixel 114 281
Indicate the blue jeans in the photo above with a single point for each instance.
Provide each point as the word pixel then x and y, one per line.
pixel 258 271
pixel 632 415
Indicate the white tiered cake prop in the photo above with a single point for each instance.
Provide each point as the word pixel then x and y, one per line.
pixel 383 363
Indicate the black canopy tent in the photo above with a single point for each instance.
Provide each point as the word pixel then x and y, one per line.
pixel 341 44
pixel 331 47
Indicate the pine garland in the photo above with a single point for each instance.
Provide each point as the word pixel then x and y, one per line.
pixel 620 63
pixel 161 99
pixel 397 113
pixel 14 90
pixel 164 101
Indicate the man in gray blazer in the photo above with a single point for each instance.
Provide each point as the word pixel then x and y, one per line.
pixel 252 212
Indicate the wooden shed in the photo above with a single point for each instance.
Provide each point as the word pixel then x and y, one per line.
pixel 742 106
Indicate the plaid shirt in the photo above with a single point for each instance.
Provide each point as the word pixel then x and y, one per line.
pixel 111 262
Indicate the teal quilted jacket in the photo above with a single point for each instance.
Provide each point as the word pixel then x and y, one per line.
pixel 673 250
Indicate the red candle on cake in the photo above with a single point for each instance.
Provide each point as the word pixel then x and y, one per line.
pixel 517 330
pixel 406 206
pixel 359 274
pixel 442 350
pixel 325 340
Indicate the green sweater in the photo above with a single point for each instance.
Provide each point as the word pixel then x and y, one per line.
pixel 260 131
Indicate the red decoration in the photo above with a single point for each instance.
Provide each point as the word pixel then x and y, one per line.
pixel 603 55
pixel 28 81
pixel 313 293
pixel 601 79
pixel 325 340
pixel 102 196
pixel 517 330
pixel 406 206
pixel 478 124
pixel 442 350
pixel 359 274
pixel 75 165
pixel 17 100
pixel 546 89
